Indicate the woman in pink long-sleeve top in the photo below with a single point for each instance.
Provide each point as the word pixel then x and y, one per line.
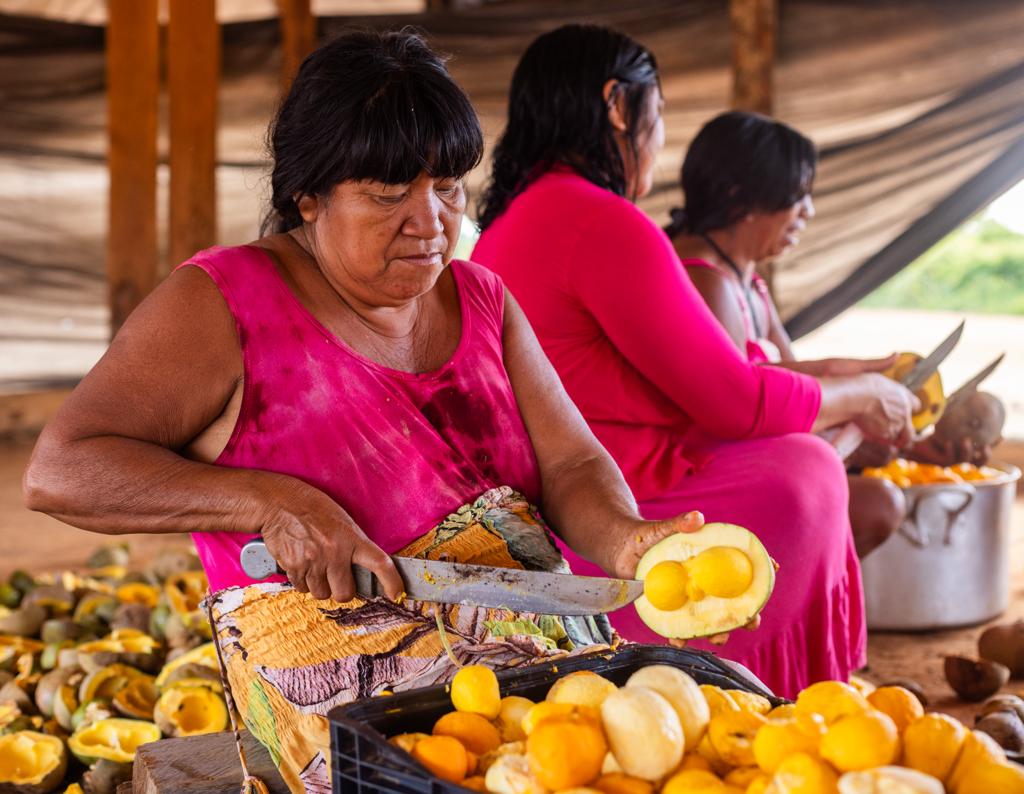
pixel 692 423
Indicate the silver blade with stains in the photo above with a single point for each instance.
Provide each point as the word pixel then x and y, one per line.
pixel 976 381
pixel 480 585
pixel 924 368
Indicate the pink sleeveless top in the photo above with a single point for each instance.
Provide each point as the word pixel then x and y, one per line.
pixel 397 450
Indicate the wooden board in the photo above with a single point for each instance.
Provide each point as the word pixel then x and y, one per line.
pixel 133 85
pixel 202 765
pixel 193 79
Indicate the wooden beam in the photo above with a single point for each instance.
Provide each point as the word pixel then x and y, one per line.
pixel 754 24
pixel 133 85
pixel 298 37
pixel 193 76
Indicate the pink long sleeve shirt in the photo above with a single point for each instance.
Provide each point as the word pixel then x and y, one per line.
pixel 635 345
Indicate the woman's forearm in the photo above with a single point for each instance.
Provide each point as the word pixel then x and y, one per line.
pixel 591 506
pixel 842 400
pixel 116 485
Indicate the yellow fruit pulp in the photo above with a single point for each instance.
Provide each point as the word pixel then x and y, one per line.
pixel 566 752
pixel 900 704
pixel 931 395
pixel 832 700
pixel 801 773
pixel 476 733
pixel 932 743
pixel 720 571
pixel 27 757
pixel 444 756
pixel 861 741
pixel 582 688
pixel 475 689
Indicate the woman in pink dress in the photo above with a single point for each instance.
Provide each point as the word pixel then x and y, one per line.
pixel 648 364
pixel 347 390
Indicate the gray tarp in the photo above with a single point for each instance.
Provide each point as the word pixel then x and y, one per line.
pixel 916 106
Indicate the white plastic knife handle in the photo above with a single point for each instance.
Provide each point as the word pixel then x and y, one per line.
pixel 258 563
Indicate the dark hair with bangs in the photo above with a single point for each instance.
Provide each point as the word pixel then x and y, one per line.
pixel 368 105
pixel 557 114
pixel 741 163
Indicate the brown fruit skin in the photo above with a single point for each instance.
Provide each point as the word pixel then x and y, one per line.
pixel 975 680
pixel 1005 727
pixel 1004 644
pixel 997 703
pixel 977 415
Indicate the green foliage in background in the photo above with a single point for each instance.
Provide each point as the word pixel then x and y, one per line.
pixel 977 268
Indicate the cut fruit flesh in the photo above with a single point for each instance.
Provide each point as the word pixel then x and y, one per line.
pixel 701 583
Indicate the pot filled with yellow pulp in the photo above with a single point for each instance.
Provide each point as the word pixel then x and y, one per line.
pixel 948 564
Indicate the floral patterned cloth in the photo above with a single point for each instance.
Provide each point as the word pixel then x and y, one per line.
pixel 289 658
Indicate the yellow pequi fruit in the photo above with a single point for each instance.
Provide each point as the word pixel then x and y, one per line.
pixel 694 781
pixel 511 774
pixel 204 655
pixel 31 762
pixel 932 743
pixel 190 711
pixel 803 774
pixel 185 591
pixel 74 788
pixel 732 735
pixel 106 682
pixel 138 698
pixel 987 778
pixel 750 701
pixel 900 704
pixel 779 739
pixel 643 731
pixel 138 593
pixel 508 748
pixel 620 783
pixel 510 717
pixel 978 750
pixel 862 685
pixel 743 776
pixel 890 780
pixel 407 741
pixel 861 741
pixel 718 700
pixel 582 688
pixel 113 739
pixel 933 399
pixel 475 689
pixel 443 756
pixel 832 700
pixel 683 695
pixel 545 710
pixel 701 583
pixel 566 752
pixel 476 733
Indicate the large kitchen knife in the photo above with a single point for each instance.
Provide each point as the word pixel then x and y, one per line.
pixel 480 585
pixel 975 382
pixel 927 366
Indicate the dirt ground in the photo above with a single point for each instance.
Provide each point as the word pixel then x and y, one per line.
pixel 38 543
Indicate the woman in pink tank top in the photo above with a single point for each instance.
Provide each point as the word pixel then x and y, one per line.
pixel 341 387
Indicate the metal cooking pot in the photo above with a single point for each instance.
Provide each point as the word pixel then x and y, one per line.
pixel 949 562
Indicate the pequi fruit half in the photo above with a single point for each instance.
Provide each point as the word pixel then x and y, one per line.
pixel 701 583
pixel 31 762
pixel 933 399
pixel 114 739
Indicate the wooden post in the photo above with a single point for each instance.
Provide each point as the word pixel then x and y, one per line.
pixel 754 24
pixel 193 75
pixel 298 37
pixel 133 85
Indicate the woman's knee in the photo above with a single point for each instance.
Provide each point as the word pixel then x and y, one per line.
pixel 877 508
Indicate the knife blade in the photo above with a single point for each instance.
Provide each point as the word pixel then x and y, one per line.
pixel 975 382
pixel 480 585
pixel 924 368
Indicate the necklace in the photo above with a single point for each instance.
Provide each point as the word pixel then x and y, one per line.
pixel 748 293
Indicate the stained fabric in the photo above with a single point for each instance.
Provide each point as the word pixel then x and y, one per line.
pixel 915 106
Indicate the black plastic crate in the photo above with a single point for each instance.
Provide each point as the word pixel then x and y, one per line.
pixel 366 763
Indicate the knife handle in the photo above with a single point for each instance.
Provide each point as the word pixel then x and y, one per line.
pixel 258 563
